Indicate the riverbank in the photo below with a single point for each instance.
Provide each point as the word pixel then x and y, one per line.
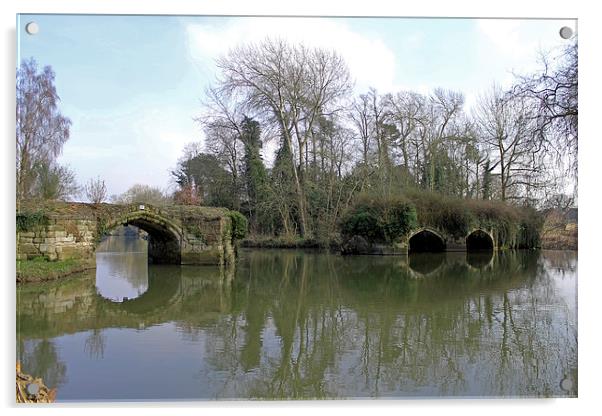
pixel 560 230
pixel 32 390
pixel 263 241
pixel 41 270
pixel 560 239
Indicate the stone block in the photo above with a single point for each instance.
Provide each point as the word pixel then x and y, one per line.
pixel 74 251
pixel 28 248
pixel 212 256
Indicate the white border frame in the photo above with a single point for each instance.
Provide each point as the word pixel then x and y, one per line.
pixel 589 153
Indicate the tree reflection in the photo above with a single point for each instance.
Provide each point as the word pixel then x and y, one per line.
pixel 463 331
pixel 308 325
pixel 95 344
pixel 40 358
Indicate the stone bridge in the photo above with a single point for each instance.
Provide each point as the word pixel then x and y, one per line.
pixel 433 240
pixel 428 239
pixel 177 234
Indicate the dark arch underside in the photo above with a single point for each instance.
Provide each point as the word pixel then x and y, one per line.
pixel 479 241
pixel 163 245
pixel 426 241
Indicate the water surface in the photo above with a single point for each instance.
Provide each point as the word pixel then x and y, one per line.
pixel 293 324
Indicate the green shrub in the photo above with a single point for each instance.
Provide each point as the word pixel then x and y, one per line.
pixel 196 231
pixel 27 221
pixel 379 219
pixel 386 219
pixel 399 220
pixel 362 223
pixel 447 214
pixel 239 225
pixel 529 233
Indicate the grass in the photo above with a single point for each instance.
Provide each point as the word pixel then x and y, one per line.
pixel 40 269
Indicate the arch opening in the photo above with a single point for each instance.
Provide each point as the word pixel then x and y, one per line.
pixel 479 240
pixel 163 245
pixel 426 241
pixel 164 240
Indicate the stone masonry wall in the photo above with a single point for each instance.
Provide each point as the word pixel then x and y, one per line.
pixel 59 240
pixel 186 235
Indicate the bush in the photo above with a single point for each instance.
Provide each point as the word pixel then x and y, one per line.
pixel 27 221
pixel 444 213
pixel 239 225
pixel 362 223
pixel 387 219
pixel 399 220
pixel 379 219
pixel 531 224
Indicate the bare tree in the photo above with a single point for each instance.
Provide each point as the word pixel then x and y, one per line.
pixel 41 128
pixel 554 91
pixel 223 130
pixel 53 182
pixel 96 190
pixel 362 120
pixel 406 108
pixel 139 193
pixel 506 128
pixel 290 86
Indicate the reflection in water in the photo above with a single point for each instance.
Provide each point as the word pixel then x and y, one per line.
pixel 292 324
pixel 479 259
pixel 426 263
pixel 122 268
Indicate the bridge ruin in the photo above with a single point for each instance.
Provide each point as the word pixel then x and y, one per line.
pixel 177 234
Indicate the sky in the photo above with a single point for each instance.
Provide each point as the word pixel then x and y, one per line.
pixel 132 85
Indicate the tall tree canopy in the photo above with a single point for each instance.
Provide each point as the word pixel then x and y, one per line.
pixel 332 147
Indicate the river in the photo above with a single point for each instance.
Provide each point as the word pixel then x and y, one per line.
pixel 287 324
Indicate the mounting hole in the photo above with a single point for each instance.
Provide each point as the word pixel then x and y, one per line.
pixel 32 28
pixel 566 32
pixel 33 389
pixel 566 384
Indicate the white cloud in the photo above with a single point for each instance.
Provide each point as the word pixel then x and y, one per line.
pixel 370 61
pixel 140 144
pixel 516 43
pixel 504 34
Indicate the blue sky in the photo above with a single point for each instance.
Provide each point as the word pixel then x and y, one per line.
pixel 133 84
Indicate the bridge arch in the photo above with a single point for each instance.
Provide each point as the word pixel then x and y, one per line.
pixel 426 240
pixel 164 236
pixel 479 240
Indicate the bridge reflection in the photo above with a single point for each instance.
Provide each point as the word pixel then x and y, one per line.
pixel 199 293
pixel 122 267
pixel 290 317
